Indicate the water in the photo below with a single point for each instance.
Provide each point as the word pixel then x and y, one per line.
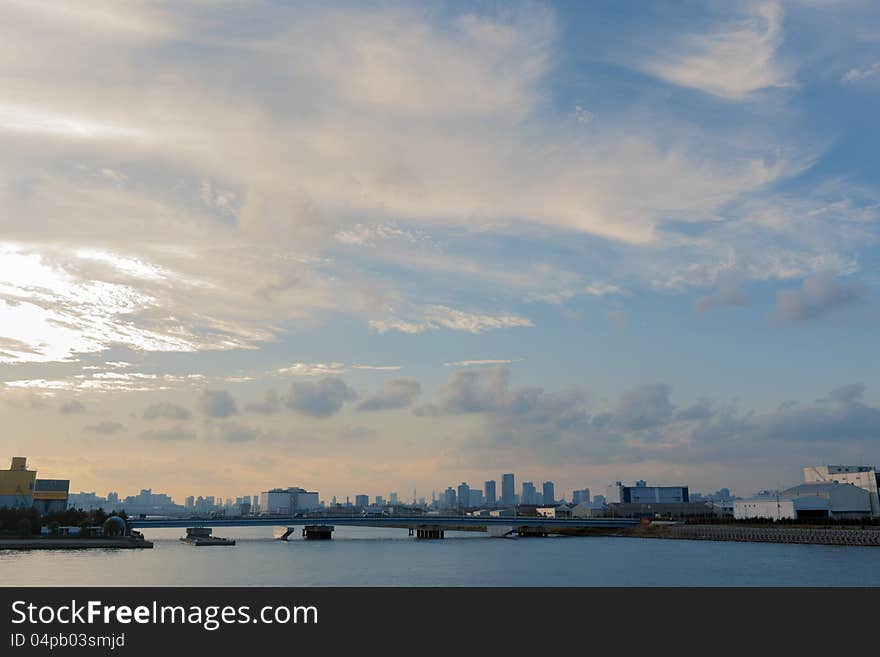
pixel 389 557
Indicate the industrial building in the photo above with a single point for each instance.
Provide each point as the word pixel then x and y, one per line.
pixel 659 509
pixel 19 487
pixel 813 500
pixel 641 493
pixel 51 495
pixel 863 476
pixel 17 484
pixel 289 501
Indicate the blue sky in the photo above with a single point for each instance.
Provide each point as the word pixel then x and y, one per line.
pixel 366 249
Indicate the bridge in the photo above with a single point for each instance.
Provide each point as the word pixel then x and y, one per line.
pixel 320 526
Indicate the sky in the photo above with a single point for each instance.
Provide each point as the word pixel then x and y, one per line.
pixel 364 248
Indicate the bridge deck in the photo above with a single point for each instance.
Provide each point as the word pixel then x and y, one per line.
pixel 401 522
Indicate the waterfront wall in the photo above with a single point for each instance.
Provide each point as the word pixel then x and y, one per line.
pixel 814 535
pixel 124 543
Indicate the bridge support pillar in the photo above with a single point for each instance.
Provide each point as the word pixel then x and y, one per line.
pixel 318 532
pixel 431 531
pixel 533 532
pixel 285 534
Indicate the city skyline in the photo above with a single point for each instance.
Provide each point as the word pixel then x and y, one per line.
pixel 404 247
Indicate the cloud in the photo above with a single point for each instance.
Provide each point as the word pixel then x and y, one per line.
pixel 858 74
pixel 233 432
pixel 271 403
pixel 839 418
pixel 320 398
pixel 217 403
pixel 644 407
pixel 174 434
pixel 166 410
pixel 847 394
pixel 728 293
pixel 396 393
pixel 386 138
pixel 603 289
pixel 819 296
pixel 313 369
pixel 71 407
pixel 436 317
pixel 104 428
pixel 732 61
pixel 484 391
pixel 532 425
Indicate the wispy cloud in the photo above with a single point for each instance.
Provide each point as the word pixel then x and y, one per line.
pixel 313 369
pixel 436 317
pixel 736 59
pixel 858 74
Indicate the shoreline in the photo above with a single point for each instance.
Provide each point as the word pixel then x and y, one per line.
pixel 73 543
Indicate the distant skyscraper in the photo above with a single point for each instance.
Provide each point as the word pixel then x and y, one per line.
pixel 549 493
pixel 380 501
pixel 189 504
pixel 448 501
pixel 362 501
pixel 489 489
pixel 508 488
pixel 529 494
pixel 112 498
pixel 476 500
pixel 581 496
pixel 464 494
pixel 392 498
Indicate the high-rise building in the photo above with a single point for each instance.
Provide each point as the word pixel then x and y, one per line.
pixel 476 499
pixel 508 488
pixel 549 493
pixel 529 494
pixel 464 494
pixel 380 501
pixel 362 501
pixel 190 502
pixel 392 498
pixel 112 499
pixel 448 498
pixel 489 492
pixel 581 496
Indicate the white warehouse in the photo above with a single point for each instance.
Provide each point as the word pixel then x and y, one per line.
pixel 863 476
pixel 814 500
pixel 288 501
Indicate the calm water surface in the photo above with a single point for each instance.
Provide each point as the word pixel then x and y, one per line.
pixel 388 557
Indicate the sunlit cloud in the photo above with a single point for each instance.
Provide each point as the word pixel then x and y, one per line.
pixel 313 369
pixel 39 122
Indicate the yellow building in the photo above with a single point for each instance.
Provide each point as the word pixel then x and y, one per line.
pixel 17 484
